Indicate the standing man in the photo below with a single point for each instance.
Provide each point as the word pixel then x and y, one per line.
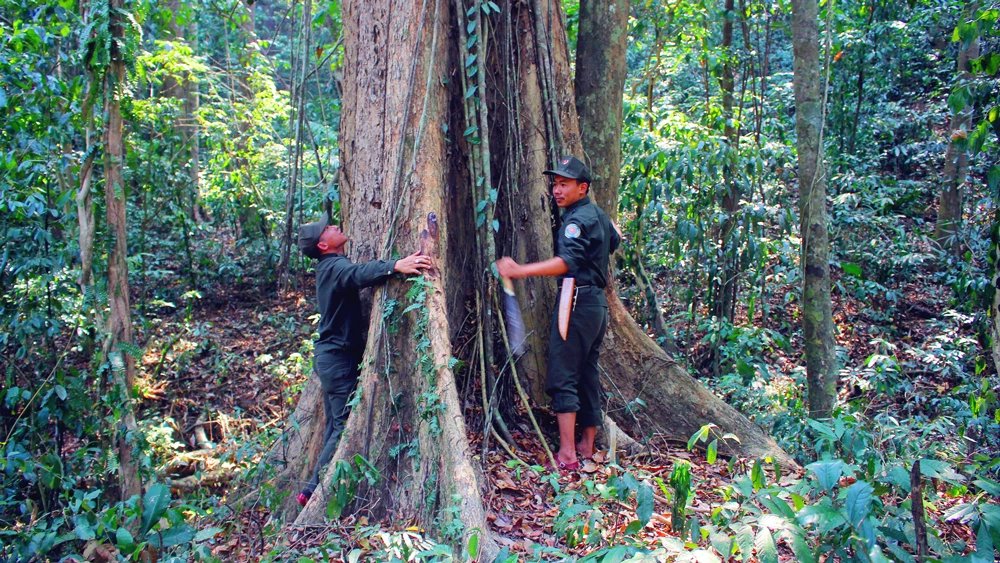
pixel 584 243
pixel 341 343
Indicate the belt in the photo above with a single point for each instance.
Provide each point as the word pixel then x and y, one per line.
pixel 589 295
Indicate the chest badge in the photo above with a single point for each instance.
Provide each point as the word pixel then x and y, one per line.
pixel 572 231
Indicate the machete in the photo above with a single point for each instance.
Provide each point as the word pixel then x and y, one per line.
pixel 515 324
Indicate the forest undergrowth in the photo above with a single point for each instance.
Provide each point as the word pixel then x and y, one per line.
pixel 220 372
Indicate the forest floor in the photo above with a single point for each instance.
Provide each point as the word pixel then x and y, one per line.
pixel 220 377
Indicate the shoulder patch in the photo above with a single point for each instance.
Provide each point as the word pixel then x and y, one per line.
pixel 571 231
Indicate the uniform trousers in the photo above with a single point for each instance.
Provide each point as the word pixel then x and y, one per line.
pixel 338 375
pixel 573 376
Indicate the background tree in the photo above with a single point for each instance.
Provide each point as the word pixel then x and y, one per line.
pixel 119 345
pixel 956 160
pixel 810 113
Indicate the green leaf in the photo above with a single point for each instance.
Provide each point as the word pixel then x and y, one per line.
pixel 800 547
pixel 472 129
pixel 959 99
pixel 334 508
pixel 474 546
pixel 175 535
pixel 154 504
pixel 899 553
pixel 938 469
pixel 823 516
pixel 984 547
pixel 859 502
pixel 644 503
pixel 470 92
pixel 757 476
pixel 124 538
pixel 988 485
pixel 470 27
pixel 721 542
pixel 993 177
pixel 851 268
pixel 470 60
pixel 876 555
pixel 701 434
pixel 992 64
pixel 496 8
pixel 767 551
pixel 83 530
pixel 633 527
pixel 60 392
pixel 3 97
pixel 713 450
pixel 744 540
pixel 827 472
pixel 206 534
pixel 496 226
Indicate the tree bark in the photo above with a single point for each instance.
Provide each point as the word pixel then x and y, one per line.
pixel 956 159
pixel 85 195
pixel 817 317
pixel 602 40
pixel 408 183
pixel 724 293
pixel 119 327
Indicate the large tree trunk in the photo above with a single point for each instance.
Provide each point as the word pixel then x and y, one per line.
pixel 408 183
pixel 119 329
pixel 956 159
pixel 601 45
pixel 817 317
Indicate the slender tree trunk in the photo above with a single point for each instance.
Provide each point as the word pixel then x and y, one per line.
pixel 298 117
pixel 191 131
pixel 119 327
pixel 956 159
pixel 408 183
pixel 725 286
pixel 995 306
pixel 817 318
pixel 85 195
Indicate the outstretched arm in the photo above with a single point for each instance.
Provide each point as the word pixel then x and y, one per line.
pixel 375 272
pixel 508 268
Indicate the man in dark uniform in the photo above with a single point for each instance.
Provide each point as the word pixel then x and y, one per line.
pixel 341 343
pixel 585 240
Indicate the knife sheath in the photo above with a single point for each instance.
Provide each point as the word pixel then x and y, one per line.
pixel 566 305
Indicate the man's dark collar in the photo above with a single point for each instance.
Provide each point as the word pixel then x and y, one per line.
pixel 578 203
pixel 329 255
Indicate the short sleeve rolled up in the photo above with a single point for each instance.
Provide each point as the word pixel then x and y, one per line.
pixel 572 245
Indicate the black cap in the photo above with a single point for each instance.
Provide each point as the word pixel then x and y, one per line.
pixel 571 167
pixel 309 237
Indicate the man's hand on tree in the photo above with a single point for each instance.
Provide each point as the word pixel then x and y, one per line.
pixel 508 268
pixel 414 264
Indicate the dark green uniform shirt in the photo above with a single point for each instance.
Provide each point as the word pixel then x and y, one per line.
pixel 341 324
pixel 585 242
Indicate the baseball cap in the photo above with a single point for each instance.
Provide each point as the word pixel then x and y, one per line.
pixel 571 167
pixel 309 237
